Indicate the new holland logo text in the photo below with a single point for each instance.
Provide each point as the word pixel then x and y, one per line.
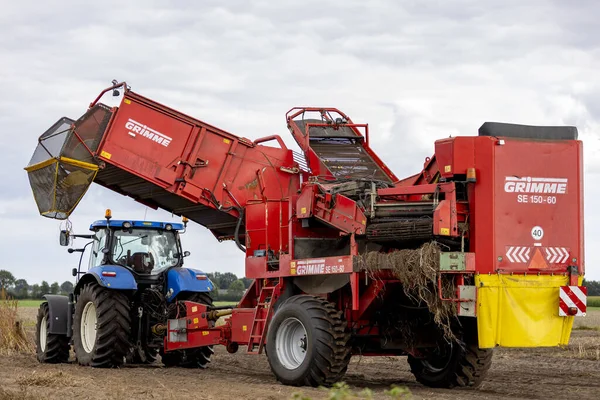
pixel 535 185
pixel 137 128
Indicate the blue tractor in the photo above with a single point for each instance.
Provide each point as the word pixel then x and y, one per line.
pixel 119 308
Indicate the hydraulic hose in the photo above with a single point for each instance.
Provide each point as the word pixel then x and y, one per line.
pixel 237 231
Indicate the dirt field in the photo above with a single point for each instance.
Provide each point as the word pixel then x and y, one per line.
pixel 571 373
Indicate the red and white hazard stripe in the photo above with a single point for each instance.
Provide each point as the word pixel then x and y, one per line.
pixel 573 301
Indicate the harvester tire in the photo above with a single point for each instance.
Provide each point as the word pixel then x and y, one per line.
pixel 101 327
pixel 463 366
pixel 50 348
pixel 307 342
pixel 190 358
pixel 148 355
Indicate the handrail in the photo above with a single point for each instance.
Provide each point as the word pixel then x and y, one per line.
pixel 269 138
pixel 113 87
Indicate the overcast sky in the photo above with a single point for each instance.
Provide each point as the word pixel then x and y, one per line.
pixel 415 71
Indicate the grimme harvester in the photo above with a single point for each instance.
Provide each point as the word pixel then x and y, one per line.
pixel 482 248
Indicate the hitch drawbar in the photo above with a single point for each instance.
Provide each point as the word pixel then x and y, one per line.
pixel 197 329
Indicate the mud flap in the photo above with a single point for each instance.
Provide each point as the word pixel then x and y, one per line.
pixel 521 311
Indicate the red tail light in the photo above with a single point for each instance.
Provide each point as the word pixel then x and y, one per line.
pixel 109 273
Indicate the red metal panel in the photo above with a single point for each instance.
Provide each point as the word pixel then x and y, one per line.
pixel 145 141
pixel 526 206
pixel 481 206
pixel 256 227
pixel 455 155
pixel 241 324
pixel 320 266
pixel 537 195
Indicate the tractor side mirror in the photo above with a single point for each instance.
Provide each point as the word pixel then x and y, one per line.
pixel 74 272
pixel 64 238
pixel 186 253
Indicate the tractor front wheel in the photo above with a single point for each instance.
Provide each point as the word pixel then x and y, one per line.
pixel 50 348
pixel 101 327
pixel 307 342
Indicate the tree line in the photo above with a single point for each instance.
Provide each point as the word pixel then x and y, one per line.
pixel 228 287
pixel 21 289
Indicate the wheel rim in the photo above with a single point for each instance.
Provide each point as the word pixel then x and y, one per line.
pixel 291 343
pixel 88 327
pixel 43 333
pixel 439 360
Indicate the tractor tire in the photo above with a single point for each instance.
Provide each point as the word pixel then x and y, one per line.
pixel 101 327
pixel 307 342
pixel 189 358
pixel 454 365
pixel 50 348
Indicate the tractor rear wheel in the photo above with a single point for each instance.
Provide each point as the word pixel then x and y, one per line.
pixel 50 348
pixel 453 364
pixel 101 326
pixel 189 358
pixel 307 342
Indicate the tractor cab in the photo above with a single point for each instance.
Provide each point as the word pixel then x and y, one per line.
pixel 143 247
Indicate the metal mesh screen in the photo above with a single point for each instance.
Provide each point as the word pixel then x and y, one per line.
pixel 58 187
pixel 90 129
pixel 51 142
pixel 347 159
pixel 62 166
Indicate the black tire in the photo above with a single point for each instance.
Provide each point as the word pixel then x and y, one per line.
pixel 113 327
pixel 325 343
pixel 142 356
pixel 455 365
pixel 190 358
pixel 52 348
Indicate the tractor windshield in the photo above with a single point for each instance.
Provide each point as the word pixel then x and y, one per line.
pixel 146 251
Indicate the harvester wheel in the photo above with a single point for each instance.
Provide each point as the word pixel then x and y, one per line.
pixel 453 365
pixel 101 327
pixel 189 358
pixel 145 355
pixel 50 348
pixel 307 342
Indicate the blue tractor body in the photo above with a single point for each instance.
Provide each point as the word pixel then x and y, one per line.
pixel 179 280
pixel 134 283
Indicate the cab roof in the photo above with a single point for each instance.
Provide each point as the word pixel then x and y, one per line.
pixel 118 223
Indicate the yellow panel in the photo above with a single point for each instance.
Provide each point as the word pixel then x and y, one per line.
pixel 40 165
pixel 521 311
pixel 78 163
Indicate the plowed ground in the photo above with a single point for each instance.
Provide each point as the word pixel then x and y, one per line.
pixel 569 373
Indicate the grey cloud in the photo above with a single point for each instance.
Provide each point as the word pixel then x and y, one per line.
pixel 415 71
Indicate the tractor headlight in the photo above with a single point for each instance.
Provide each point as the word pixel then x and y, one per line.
pixel 168 227
pixel 126 224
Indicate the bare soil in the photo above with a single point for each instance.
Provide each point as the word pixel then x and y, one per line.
pixel 566 373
